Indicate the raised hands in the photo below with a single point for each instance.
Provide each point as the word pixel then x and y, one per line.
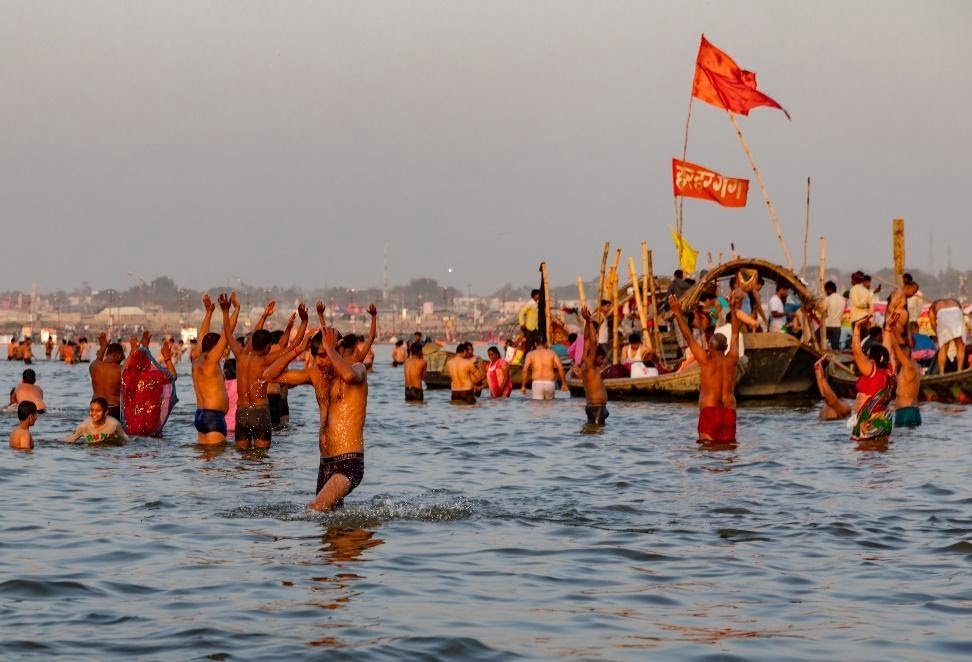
pixel 271 308
pixel 146 337
pixel 674 304
pixel 208 303
pixel 166 350
pixel 586 314
pixel 372 310
pixel 224 302
pixel 329 338
pixel 102 340
pixel 235 299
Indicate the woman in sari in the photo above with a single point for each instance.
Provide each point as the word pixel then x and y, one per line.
pixel 875 389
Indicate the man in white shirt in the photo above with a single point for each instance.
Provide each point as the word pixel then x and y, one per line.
pixel 777 311
pixel 834 306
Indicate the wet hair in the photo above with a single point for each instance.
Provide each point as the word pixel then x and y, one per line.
pixel 634 338
pixel 210 340
pixel 229 369
pixel 879 354
pixel 261 340
pixel 534 293
pixel 315 343
pixel 830 287
pixel 275 336
pixel 101 402
pixel 718 342
pixel 25 410
pixel 493 348
pixel 115 349
pixel 399 343
pixel 29 376
pixel 415 349
pixel 349 341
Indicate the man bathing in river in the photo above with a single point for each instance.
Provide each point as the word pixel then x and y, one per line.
pixel 28 391
pixel 415 366
pixel 591 366
pixel 20 437
pixel 717 398
pixel 465 373
pixel 543 366
pixel 906 413
pixel 106 374
pixel 253 425
pixel 212 401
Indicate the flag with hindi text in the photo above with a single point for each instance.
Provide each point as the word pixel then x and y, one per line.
pixel 694 181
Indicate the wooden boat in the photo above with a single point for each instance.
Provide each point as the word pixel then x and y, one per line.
pixel 952 387
pixel 774 364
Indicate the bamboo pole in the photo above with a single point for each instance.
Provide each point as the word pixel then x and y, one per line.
pixel 654 306
pixel 898 250
pixel 614 269
pixel 600 280
pixel 639 302
pixel 546 300
pixel 644 272
pixel 762 186
pixel 709 260
pixel 720 258
pixel 821 275
pixel 614 311
pixel 580 292
pixel 679 205
pixel 806 234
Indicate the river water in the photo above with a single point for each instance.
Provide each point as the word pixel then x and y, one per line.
pixel 489 532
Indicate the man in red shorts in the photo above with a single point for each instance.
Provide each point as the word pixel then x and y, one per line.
pixel 717 398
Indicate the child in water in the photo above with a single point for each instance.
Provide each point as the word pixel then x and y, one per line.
pixel 99 426
pixel 20 436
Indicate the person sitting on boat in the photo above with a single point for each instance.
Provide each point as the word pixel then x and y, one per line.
pixel 948 320
pixel 923 348
pixel 591 365
pixel 717 399
pixel 906 412
pixel 528 319
pixel 834 306
pixel 634 350
pixel 777 307
pixel 875 388
pixel 834 408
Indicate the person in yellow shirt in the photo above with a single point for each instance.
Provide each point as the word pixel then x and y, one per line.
pixel 529 319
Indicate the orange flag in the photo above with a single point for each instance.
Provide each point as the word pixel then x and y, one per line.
pixel 721 82
pixel 694 181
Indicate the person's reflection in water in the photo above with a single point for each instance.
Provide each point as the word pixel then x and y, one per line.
pixel 729 458
pixel 209 452
pixel 340 546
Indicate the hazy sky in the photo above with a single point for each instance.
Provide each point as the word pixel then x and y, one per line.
pixel 285 142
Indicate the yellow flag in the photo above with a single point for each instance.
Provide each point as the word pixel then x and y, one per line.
pixel 687 255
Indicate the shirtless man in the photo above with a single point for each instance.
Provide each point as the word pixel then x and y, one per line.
pixel 363 352
pixel 717 399
pixel 414 374
pixel 106 372
pixel 834 408
pixel 212 401
pixel 897 311
pixel 906 413
pixel 28 391
pixel 947 319
pixel 26 351
pixel 465 374
pixel 253 424
pixel 49 348
pixel 591 366
pixel 399 354
pixel 20 437
pixel 543 366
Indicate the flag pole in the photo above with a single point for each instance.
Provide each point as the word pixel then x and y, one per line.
pixel 806 234
pixel 679 204
pixel 762 186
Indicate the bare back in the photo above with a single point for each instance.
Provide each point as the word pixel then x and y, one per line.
pixel 543 364
pixel 718 380
pixel 106 381
pixel 461 371
pixel 414 371
pixel 209 384
pixel 250 384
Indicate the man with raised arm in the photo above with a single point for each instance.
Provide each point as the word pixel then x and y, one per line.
pixel 834 408
pixel 106 373
pixel 717 398
pixel 212 401
pixel 906 413
pixel 253 426
pixel 342 444
pixel 591 366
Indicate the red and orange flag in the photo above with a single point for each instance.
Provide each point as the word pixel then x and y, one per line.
pixel 722 83
pixel 694 181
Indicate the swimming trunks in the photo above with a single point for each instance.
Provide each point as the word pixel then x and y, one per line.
pixel 596 414
pixel 275 404
pixel 253 423
pixel 349 465
pixel 210 420
pixel 395 364
pixel 907 417
pixel 465 397
pixel 414 394
pixel 543 389
pixel 719 424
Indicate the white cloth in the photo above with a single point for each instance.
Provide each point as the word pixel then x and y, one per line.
pixel 951 325
pixel 835 305
pixel 776 306
pixel 915 305
pixel 726 330
pixel 543 389
pixel 861 302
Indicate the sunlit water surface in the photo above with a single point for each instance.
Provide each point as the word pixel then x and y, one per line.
pixel 489 532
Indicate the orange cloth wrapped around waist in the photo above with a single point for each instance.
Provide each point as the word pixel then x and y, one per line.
pixel 717 424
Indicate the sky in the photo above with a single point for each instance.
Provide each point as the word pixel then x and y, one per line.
pixel 288 142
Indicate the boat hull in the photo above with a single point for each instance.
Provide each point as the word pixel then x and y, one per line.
pixel 951 388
